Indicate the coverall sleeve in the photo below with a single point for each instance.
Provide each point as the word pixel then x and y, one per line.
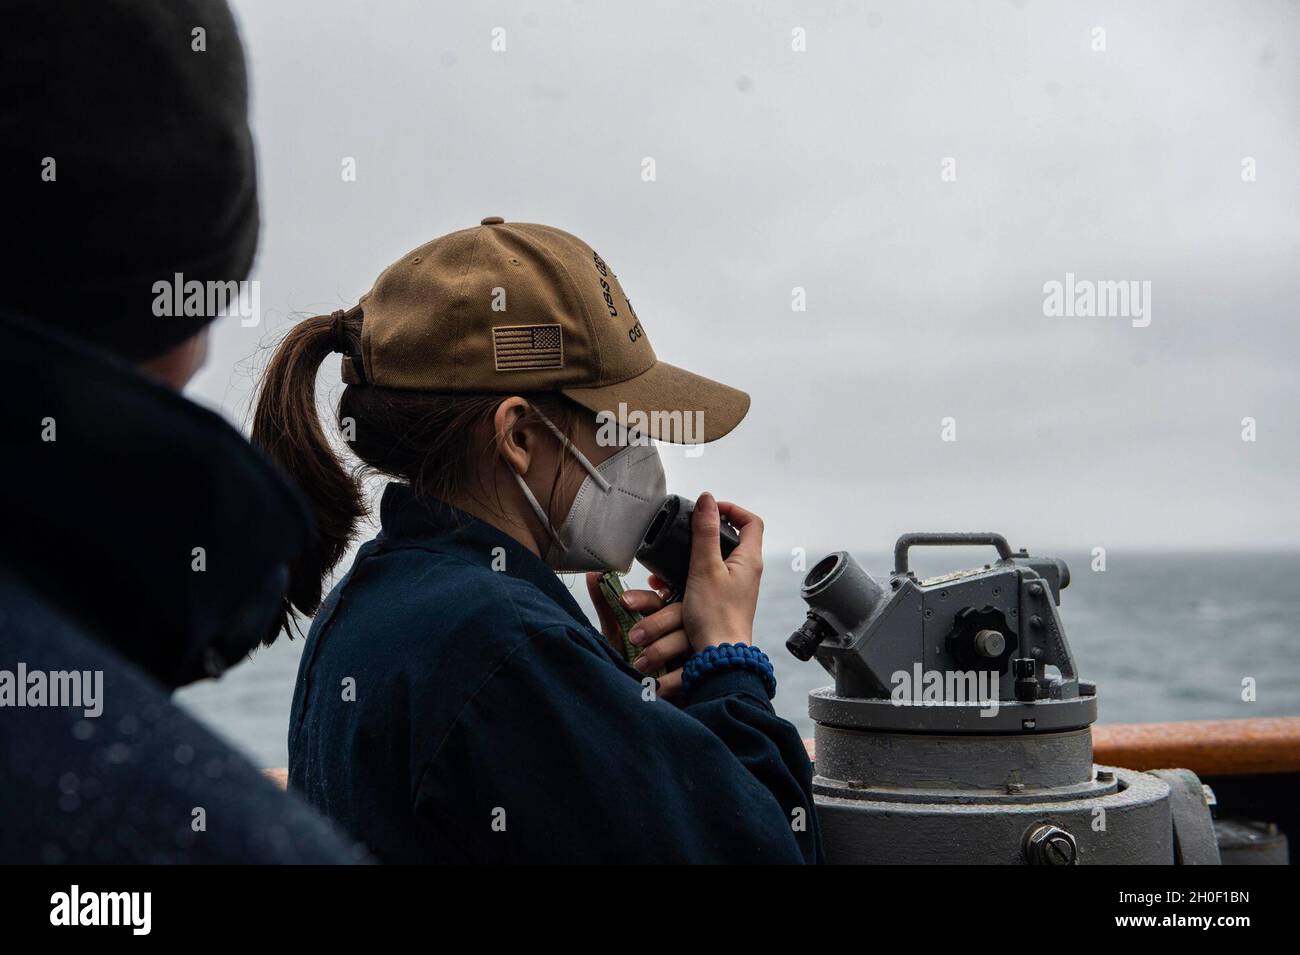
pixel 560 756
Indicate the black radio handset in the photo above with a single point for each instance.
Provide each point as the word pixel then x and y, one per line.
pixel 666 548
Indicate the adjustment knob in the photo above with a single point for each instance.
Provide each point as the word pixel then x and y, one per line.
pixel 1025 670
pixel 803 643
pixel 990 643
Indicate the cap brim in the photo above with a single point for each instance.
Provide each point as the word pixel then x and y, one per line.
pixel 669 404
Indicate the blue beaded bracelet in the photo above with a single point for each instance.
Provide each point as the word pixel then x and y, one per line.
pixel 725 656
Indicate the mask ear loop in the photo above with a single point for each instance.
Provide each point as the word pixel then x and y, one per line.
pixel 537 509
pixel 596 476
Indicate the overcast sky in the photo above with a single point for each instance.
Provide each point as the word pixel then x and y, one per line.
pixel 823 170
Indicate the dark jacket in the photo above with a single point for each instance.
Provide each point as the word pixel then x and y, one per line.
pixel 110 483
pixel 447 711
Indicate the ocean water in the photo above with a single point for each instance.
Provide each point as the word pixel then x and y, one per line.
pixel 1165 635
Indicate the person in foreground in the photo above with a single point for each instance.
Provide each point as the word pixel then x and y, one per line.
pixel 453 702
pixel 145 542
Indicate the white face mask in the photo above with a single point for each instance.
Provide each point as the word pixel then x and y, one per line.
pixel 611 511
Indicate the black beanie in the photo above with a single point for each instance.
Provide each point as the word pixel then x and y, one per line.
pixel 142 109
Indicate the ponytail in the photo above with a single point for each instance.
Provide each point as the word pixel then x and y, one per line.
pixel 287 427
pixel 433 441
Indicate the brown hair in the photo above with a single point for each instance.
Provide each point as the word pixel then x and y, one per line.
pixel 427 439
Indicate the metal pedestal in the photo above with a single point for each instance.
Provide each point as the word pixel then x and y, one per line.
pixel 1007 799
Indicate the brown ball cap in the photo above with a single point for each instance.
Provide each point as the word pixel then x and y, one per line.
pixel 524 307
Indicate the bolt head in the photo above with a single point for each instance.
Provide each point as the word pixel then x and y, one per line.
pixel 1061 851
pixel 1050 845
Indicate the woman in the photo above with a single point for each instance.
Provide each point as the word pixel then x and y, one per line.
pixel 453 703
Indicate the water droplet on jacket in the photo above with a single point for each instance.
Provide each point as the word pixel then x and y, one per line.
pixel 52 854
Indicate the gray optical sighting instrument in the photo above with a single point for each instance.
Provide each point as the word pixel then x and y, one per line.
pixel 957 729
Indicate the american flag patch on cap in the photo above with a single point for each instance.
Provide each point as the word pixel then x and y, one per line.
pixel 520 347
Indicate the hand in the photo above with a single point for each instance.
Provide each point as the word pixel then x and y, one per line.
pixel 659 634
pixel 721 596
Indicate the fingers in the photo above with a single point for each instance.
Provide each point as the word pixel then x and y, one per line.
pixel 643 601
pixel 738 515
pixel 750 526
pixel 706 554
pixel 656 626
pixel 662 652
pixel 670 684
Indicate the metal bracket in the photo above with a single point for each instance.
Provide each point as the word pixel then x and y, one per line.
pixel 1194 840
